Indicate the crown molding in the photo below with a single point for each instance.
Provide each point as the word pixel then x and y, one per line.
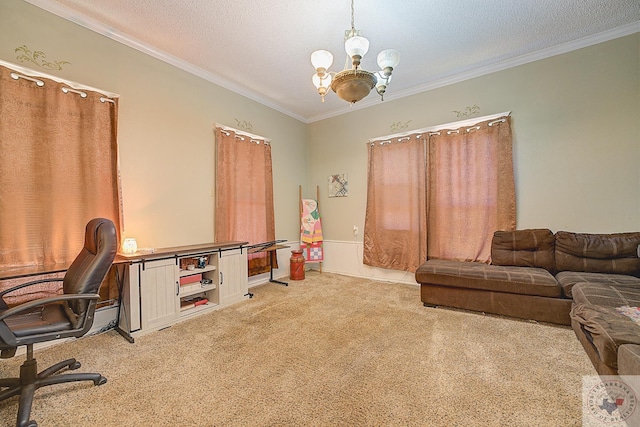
pixel 460 76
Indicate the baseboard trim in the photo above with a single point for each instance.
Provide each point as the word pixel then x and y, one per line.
pixel 340 257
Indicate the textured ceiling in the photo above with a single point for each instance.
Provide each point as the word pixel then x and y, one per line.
pixel 261 48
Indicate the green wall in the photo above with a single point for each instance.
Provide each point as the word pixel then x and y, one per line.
pixel 576 122
pixel 166 122
pixel 576 125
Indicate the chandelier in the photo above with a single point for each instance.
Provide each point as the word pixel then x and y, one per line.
pixel 353 84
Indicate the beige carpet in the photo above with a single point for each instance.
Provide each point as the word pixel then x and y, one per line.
pixel 327 351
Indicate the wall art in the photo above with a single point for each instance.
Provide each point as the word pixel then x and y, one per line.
pixel 338 184
pixel 468 111
pixel 39 58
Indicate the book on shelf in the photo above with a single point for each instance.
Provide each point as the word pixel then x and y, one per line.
pixel 190 287
pixel 192 278
pixel 186 304
pixel 196 286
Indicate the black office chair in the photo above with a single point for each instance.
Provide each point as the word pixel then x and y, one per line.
pixel 60 316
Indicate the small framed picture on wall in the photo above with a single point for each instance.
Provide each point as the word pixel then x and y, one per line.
pixel 338 185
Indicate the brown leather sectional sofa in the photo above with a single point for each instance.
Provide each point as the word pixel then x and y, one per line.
pixel 588 281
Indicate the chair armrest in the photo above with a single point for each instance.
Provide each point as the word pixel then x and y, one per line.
pixel 30 305
pixel 26 284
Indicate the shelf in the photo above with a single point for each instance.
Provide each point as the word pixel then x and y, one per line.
pixel 154 297
pixel 184 311
pixel 196 288
pixel 197 270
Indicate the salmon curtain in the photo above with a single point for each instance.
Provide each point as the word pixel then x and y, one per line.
pixel 471 189
pixel 395 218
pixel 58 151
pixel 439 194
pixel 244 193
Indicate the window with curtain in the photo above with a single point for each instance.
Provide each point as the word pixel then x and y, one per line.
pixel 244 193
pixel 450 211
pixel 396 209
pixel 58 152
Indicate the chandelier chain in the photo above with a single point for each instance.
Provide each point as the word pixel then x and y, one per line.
pixel 353 28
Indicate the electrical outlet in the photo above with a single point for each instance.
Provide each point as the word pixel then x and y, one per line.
pixel 355 230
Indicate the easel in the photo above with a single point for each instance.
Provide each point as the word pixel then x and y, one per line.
pixel 300 216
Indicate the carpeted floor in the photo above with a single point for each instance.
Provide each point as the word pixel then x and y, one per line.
pixel 326 351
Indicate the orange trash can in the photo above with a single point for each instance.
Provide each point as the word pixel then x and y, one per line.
pixel 296 265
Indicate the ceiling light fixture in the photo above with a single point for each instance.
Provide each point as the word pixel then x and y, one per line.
pixel 353 84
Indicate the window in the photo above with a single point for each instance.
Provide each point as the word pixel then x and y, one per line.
pixel 396 208
pixel 58 152
pixel 244 192
pixel 439 194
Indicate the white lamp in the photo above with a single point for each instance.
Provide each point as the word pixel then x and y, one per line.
pixel 129 246
pixel 388 60
pixel 322 84
pixel 321 60
pixel 383 81
pixel 356 47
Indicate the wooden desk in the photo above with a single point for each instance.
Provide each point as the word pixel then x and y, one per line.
pixel 272 253
pixel 131 316
pixel 177 251
pixel 152 291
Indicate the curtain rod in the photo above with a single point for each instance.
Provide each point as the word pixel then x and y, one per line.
pixel 243 133
pixel 452 125
pixel 77 86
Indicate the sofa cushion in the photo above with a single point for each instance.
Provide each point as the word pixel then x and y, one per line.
pixel 629 360
pixel 606 295
pixel 606 329
pixel 524 248
pixel 476 275
pixel 598 253
pixel 568 279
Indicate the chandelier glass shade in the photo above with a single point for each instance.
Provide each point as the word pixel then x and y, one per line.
pixel 353 84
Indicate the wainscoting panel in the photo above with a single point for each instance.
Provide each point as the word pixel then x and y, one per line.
pixel 344 257
pixel 341 257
